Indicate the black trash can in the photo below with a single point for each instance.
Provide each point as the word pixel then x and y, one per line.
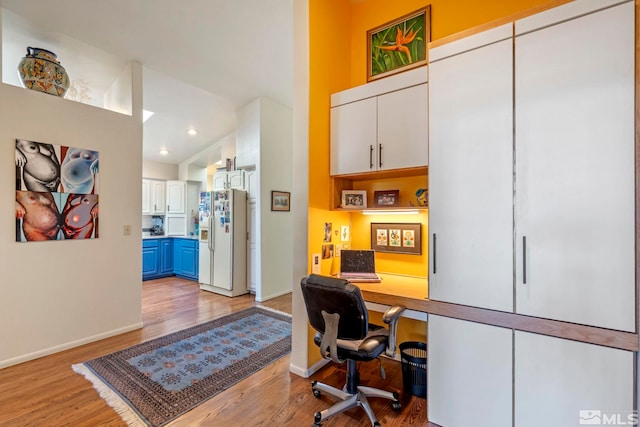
pixel 414 367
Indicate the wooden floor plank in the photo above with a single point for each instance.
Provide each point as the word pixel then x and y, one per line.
pixel 46 392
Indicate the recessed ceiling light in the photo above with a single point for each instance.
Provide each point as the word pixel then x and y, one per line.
pixel 146 114
pixel 164 152
pixel 192 131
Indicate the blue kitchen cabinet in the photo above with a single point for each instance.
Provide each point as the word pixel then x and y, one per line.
pixel 166 257
pixel 157 258
pixel 185 258
pixel 150 259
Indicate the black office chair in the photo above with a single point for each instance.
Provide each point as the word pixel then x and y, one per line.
pixel 338 313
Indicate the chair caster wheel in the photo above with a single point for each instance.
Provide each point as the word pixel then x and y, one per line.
pixel 317 417
pixel 396 405
pixel 316 392
pixel 376 424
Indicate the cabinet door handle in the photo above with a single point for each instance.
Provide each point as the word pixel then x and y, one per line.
pixel 371 157
pixel 380 155
pixel 434 253
pixel 524 260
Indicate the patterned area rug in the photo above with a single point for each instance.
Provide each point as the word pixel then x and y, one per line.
pixel 155 382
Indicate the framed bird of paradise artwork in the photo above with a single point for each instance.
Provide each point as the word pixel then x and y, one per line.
pixel 399 45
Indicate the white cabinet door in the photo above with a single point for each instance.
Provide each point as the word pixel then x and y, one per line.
pixel 252 246
pixel 176 225
pixel 470 177
pixel 176 197
pixel 560 383
pixel 158 199
pixel 353 137
pixel 575 233
pixel 146 197
pixel 469 378
pixel 235 179
pixel 220 181
pixel 251 185
pixel 402 129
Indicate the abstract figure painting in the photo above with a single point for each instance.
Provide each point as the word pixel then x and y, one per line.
pixel 56 192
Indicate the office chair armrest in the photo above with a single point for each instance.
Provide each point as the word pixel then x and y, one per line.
pixel 391 317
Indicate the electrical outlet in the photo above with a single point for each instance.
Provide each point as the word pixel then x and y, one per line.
pixel 126 230
pixel 315 263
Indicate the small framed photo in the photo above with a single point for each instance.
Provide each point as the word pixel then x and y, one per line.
pixel 280 201
pixel 354 199
pixel 386 199
pixel 398 45
pixel 403 238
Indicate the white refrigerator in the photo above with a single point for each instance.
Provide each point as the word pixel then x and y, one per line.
pixel 223 244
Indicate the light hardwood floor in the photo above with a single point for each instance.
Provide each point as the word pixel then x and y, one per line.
pixel 46 391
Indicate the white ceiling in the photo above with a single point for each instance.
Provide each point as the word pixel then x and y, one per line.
pixel 202 59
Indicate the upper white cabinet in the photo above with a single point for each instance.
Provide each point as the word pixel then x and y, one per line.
pixel 380 125
pixel 575 170
pixel 228 180
pixel 176 197
pixel 534 213
pixel 146 197
pixel 470 171
pixel 153 197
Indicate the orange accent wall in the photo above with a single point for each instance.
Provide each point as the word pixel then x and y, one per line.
pixel 447 17
pixel 337 58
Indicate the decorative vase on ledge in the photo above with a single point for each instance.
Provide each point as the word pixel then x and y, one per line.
pixel 40 70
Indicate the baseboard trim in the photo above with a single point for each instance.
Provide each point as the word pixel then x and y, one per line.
pixel 276 295
pixel 307 372
pixel 66 346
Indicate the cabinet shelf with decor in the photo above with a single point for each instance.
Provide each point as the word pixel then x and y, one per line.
pixel 406 181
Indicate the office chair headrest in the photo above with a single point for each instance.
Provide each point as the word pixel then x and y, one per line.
pixel 335 296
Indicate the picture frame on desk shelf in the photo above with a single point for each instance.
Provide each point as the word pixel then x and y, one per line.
pixel 280 201
pixel 398 45
pixel 402 238
pixel 386 199
pixel 354 199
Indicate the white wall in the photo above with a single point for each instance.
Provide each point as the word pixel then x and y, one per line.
pixel 156 170
pixel 265 140
pixel 300 188
pixel 276 173
pixel 60 294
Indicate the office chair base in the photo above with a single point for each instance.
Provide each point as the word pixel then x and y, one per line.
pixel 348 401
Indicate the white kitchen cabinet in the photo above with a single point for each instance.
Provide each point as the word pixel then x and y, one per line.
pixel 228 180
pixel 575 169
pixel 381 125
pixel 146 197
pixel 557 381
pixel 153 197
pixel 158 197
pixel 353 137
pixel 569 182
pixel 470 171
pixel 176 197
pixel 469 379
pixel 176 225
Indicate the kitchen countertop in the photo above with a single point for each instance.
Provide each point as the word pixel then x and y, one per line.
pixel 170 237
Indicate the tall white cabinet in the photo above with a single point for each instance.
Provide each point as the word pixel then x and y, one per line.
pixel 567 171
pixel 575 168
pixel 531 180
pixel 470 175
